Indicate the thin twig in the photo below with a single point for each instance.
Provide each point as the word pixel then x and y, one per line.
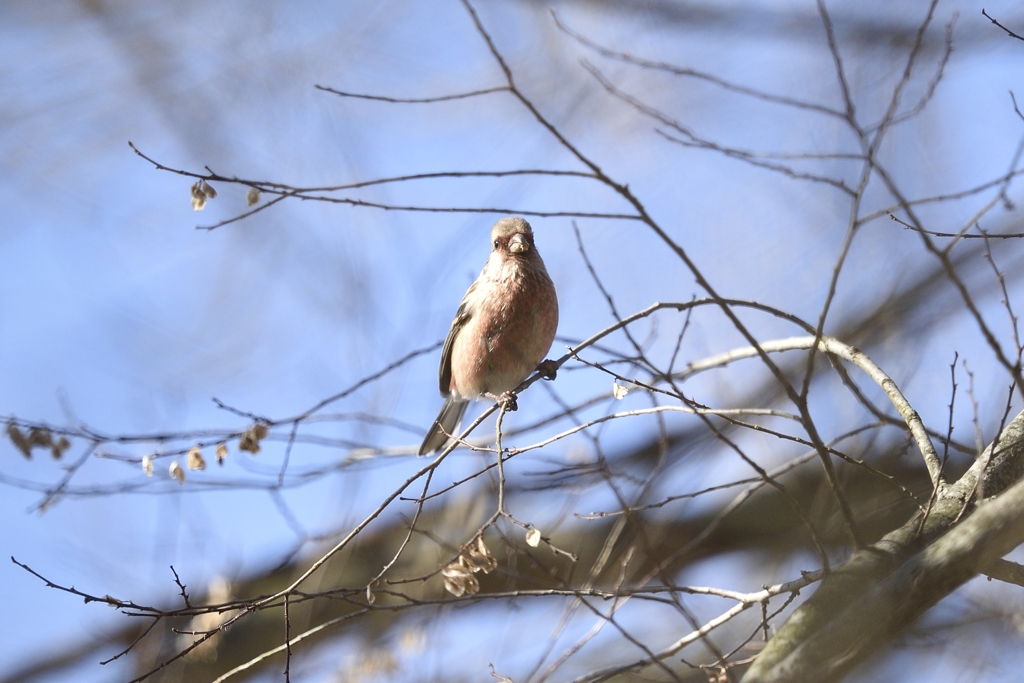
pixel 1010 33
pixel 410 100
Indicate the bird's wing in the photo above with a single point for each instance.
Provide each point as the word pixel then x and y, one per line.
pixel 465 312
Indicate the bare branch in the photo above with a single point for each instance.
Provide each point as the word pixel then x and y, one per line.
pixel 693 73
pixel 409 100
pixel 1010 33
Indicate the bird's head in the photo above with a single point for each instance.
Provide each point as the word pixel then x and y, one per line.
pixel 512 236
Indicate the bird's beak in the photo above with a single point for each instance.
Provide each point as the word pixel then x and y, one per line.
pixel 517 244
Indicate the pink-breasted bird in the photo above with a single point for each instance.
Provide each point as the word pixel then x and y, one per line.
pixel 501 332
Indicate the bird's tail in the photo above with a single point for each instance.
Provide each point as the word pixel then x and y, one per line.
pixel 447 420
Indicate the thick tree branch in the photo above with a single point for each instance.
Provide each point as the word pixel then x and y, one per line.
pixel 883 588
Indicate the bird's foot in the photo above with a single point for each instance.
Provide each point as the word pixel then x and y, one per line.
pixel 548 369
pixel 507 401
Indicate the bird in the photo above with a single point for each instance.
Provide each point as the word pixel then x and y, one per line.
pixel 501 332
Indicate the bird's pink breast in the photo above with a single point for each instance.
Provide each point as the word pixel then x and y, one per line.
pixel 508 334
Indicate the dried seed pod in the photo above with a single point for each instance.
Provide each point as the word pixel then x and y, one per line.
pixel 194 459
pixel 250 440
pixel 177 472
pixel 479 558
pixel 19 440
pixel 59 447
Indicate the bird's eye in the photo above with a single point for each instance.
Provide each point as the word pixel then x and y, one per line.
pixel 496 243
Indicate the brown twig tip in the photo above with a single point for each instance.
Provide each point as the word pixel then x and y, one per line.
pixel 957 235
pixel 1009 33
